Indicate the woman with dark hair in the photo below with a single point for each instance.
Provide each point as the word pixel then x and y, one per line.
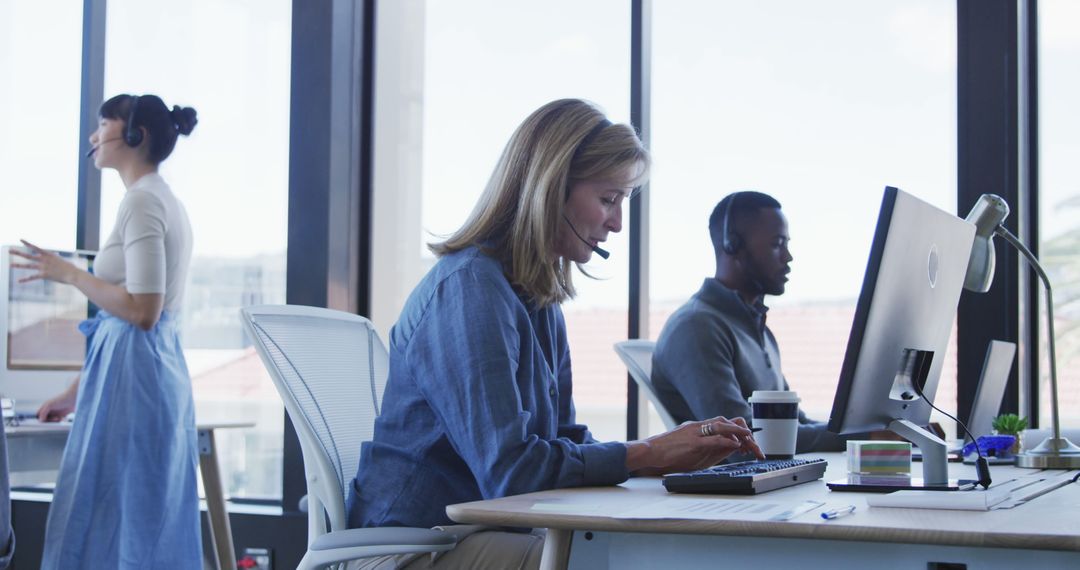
pixel 126 494
pixel 478 403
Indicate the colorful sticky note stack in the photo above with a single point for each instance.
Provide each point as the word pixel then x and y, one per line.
pixel 879 457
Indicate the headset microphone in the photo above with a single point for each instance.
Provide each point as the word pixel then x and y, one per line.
pixel 94 148
pixel 596 249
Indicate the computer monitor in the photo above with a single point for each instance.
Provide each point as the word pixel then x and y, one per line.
pixel 41 348
pixel 995 375
pixel 901 329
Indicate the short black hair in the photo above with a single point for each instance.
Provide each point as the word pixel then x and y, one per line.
pixel 161 124
pixel 741 204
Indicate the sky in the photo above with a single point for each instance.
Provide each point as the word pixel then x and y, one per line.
pixel 824 127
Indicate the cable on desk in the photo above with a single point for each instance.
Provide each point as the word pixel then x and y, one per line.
pixel 982 468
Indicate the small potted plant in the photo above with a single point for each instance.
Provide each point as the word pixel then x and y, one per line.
pixel 1010 424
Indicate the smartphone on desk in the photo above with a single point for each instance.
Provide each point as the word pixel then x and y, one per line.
pixel 951 455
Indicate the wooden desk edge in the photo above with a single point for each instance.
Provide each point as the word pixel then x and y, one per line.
pixel 63 428
pixel 467 513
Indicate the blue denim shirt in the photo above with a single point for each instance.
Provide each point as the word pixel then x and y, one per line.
pixel 478 403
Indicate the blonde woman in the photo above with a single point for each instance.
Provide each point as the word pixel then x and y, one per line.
pixel 478 403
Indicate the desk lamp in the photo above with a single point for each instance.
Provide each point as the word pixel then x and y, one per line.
pixel 1055 452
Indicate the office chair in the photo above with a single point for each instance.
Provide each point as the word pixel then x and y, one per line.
pixel 330 369
pixel 637 356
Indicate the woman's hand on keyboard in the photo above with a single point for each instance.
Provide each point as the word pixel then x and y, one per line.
pixel 691 446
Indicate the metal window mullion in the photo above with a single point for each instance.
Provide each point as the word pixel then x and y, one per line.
pixel 92 92
pixel 640 118
pixel 1028 195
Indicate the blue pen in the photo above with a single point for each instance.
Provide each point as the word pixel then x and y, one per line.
pixel 837 513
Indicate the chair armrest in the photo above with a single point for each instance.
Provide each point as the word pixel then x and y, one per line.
pixel 410 539
pixel 7 550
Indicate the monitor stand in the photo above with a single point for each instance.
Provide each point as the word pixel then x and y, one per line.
pixel 934 463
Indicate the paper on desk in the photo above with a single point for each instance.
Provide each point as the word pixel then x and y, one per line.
pixel 796 510
pixel 1004 495
pixel 972 500
pixel 1033 486
pixel 711 509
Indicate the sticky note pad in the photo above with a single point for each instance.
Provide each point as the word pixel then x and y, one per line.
pixel 879 457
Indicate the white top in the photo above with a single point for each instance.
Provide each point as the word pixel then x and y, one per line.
pixel 149 249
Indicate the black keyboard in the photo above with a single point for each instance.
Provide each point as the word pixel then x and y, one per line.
pixel 747 477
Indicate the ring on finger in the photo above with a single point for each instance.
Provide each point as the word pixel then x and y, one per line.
pixel 706 429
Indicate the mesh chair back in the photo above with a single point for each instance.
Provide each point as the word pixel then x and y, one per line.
pixel 637 356
pixel 333 367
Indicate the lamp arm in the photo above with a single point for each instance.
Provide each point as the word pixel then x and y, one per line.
pixel 1034 262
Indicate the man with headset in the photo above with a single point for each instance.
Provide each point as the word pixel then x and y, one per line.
pixel 716 349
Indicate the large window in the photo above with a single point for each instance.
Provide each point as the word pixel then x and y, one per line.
pixel 821 105
pixel 447 109
pixel 40 55
pixel 1059 198
pixel 230 61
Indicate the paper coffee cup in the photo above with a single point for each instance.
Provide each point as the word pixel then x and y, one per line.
pixel 776 412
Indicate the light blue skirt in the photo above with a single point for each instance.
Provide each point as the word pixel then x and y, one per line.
pixel 126 495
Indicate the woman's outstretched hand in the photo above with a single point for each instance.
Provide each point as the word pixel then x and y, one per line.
pixel 691 446
pixel 45 264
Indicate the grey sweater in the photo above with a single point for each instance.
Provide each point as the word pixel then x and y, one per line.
pixel 711 356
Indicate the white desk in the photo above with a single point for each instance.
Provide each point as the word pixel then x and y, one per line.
pixel 1044 533
pixel 34 451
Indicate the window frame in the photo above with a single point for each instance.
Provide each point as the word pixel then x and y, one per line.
pixel 331 187
pixel 330 179
pixel 996 77
pixel 329 169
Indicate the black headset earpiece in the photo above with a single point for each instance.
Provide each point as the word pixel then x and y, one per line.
pixel 585 142
pixel 133 136
pixel 732 240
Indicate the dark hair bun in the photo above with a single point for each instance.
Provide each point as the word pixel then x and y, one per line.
pixel 184 119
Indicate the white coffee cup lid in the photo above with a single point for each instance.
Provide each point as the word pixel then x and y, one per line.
pixel 774 397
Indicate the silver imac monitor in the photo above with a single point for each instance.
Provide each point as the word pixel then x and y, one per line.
pixel 41 348
pixel 901 329
pixel 995 375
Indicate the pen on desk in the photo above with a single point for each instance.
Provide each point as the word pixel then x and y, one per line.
pixel 837 513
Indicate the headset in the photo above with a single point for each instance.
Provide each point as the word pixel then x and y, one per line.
pixel 731 242
pixel 132 135
pixel 586 141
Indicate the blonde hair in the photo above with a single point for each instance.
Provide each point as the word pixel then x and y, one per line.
pixel 518 215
